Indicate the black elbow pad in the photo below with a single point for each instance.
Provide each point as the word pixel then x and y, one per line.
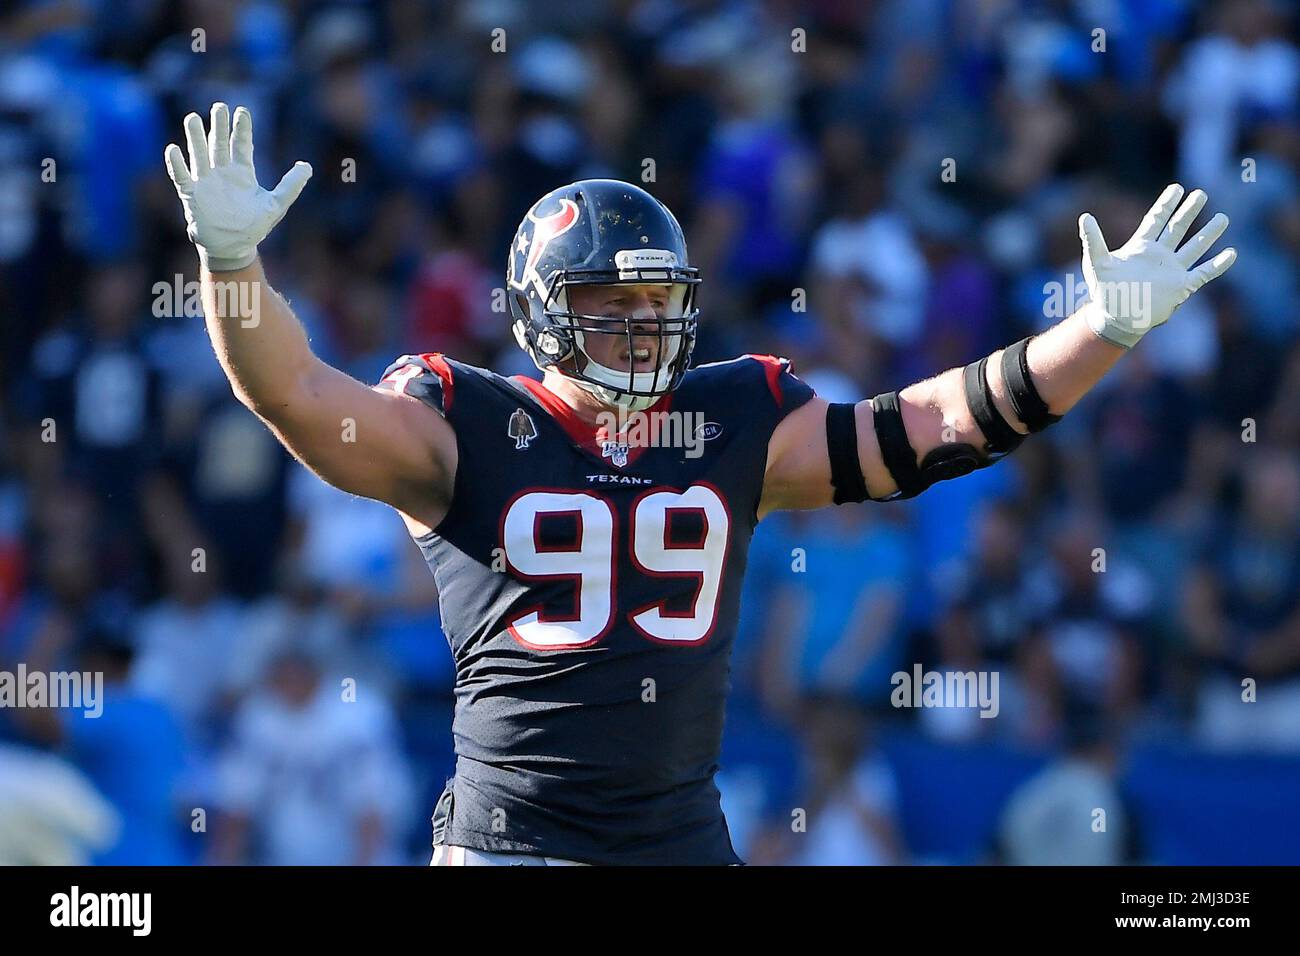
pixel 939 464
pixel 842 446
pixel 1025 400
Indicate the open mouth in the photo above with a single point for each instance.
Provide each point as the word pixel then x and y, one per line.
pixel 638 359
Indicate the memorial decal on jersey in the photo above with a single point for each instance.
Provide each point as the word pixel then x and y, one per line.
pixel 520 427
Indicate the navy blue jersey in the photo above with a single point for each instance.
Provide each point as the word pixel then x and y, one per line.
pixel 590 592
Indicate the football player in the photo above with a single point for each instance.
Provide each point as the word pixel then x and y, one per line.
pixel 590 582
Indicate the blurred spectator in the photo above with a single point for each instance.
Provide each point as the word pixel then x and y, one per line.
pixel 1244 71
pixel 104 102
pixel 68 594
pixel 992 597
pixel 1242 614
pixel 1239 86
pixel 1086 637
pixel 870 274
pixel 360 558
pixel 1072 813
pixel 1142 435
pixel 450 299
pixel 835 619
pixel 227 484
pixel 101 393
pixel 185 645
pixel 296 614
pixel 756 189
pixel 849 793
pixel 994 602
pixel 50 814
pixel 135 753
pixel 312 777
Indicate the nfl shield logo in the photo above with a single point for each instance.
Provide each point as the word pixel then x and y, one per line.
pixel 615 451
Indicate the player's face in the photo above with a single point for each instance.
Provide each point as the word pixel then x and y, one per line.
pixel 646 305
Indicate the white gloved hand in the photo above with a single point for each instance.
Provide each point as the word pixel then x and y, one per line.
pixel 1140 284
pixel 226 212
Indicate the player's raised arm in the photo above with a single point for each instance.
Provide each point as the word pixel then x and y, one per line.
pixel 378 443
pixel 899 443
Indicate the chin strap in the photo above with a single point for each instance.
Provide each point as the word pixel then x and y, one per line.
pixel 611 396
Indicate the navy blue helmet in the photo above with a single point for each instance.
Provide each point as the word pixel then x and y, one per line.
pixel 601 231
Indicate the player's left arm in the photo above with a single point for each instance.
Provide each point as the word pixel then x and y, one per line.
pixel 967 418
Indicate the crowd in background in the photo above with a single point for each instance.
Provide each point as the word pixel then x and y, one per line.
pixel 878 190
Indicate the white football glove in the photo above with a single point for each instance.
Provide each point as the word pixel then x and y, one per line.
pixel 1138 286
pixel 227 213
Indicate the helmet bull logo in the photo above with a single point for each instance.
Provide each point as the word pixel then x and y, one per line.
pixel 530 248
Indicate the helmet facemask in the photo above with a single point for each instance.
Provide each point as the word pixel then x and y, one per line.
pixel 571 332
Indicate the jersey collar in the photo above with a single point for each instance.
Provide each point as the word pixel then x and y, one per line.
pixel 592 439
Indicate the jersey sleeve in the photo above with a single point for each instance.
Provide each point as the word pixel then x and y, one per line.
pixel 788 392
pixel 427 377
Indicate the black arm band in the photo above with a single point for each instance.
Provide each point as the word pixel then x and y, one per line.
pixel 1000 437
pixel 895 449
pixel 842 444
pixel 1025 400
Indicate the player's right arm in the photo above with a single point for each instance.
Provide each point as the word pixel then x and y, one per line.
pixel 378 443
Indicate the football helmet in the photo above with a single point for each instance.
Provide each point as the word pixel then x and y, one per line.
pixel 595 232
